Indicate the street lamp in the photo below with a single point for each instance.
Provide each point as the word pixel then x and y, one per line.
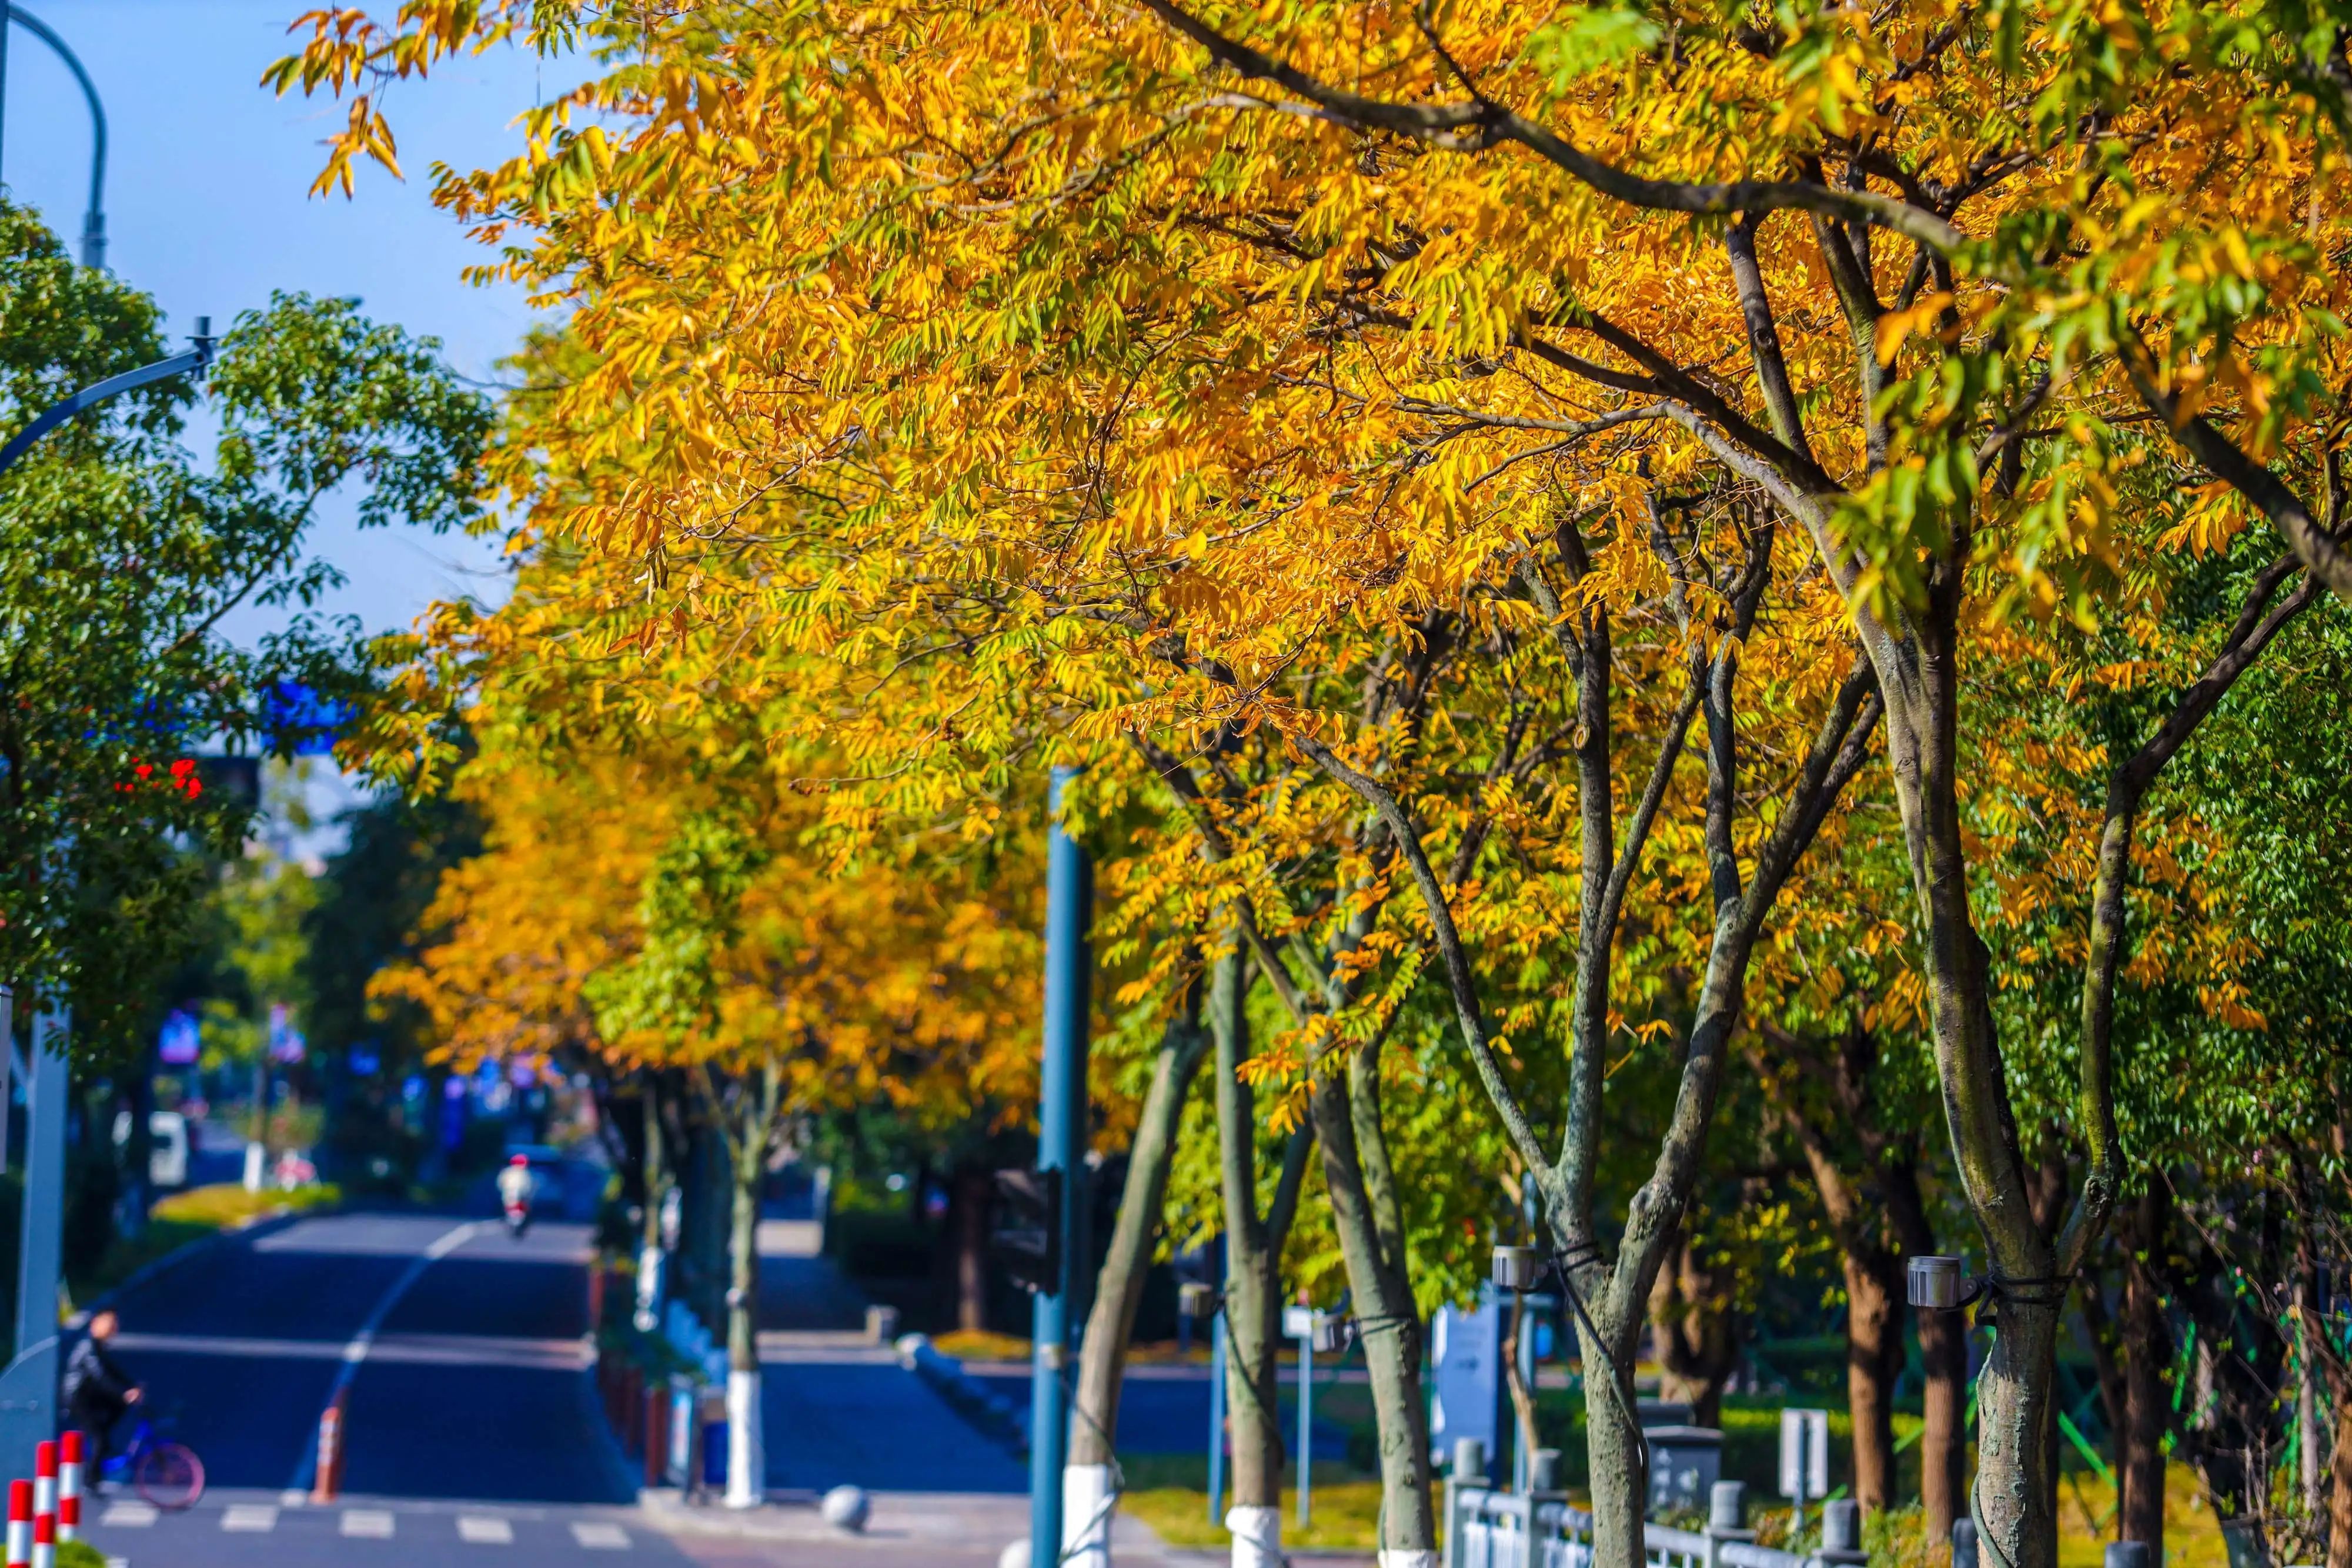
pixel 93 222
pixel 195 359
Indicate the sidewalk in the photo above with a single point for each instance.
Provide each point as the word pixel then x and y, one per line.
pixel 840 1410
pixel 906 1530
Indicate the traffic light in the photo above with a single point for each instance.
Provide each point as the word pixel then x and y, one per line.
pixel 1026 1238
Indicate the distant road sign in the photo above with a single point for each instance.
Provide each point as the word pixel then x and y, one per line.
pixel 1804 1454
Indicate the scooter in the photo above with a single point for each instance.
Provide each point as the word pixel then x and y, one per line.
pixel 518 1218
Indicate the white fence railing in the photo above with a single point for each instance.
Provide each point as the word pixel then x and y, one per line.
pixel 1487 1529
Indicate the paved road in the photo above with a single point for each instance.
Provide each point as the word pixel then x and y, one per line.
pixel 464 1352
pixel 248 1529
pixel 1164 1409
pixel 840 1411
pixel 471 1429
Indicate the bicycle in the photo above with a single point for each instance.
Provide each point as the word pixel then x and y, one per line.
pixel 163 1470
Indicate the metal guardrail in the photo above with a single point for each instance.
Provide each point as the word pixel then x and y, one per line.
pixel 1488 1529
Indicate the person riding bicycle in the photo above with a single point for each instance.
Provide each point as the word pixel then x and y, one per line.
pixel 96 1391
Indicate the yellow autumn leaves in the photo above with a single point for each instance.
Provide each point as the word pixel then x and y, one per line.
pixel 957 390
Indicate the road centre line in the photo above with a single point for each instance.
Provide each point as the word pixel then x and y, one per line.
pixel 307 1469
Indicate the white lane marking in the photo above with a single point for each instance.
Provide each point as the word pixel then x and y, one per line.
pixel 293 1499
pixel 485 1531
pixel 421 1349
pixel 601 1537
pixel 374 1523
pixel 307 1469
pixel 251 1517
pixel 128 1515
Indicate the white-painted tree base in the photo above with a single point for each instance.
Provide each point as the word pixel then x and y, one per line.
pixel 1407 1557
pixel 1086 1516
pixel 1257 1536
pixel 747 1449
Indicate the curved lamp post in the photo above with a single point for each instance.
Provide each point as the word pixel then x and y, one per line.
pixel 93 222
pixel 195 359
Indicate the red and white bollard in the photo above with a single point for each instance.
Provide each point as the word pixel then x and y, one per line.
pixel 45 1505
pixel 69 1487
pixel 328 1484
pixel 20 1524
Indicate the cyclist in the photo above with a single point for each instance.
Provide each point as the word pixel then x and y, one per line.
pixel 96 1391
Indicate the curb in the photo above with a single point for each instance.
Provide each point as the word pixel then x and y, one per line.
pixel 989 1413
pixel 610 1454
pixel 664 1510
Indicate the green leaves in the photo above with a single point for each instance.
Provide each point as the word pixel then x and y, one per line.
pixel 688 915
pixel 1590 39
pixel 311 393
pixel 120 559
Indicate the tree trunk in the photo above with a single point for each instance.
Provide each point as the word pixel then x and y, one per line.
pixel 2146 1353
pixel 261 1109
pixel 2339 1483
pixel 1253 1282
pixel 746 1444
pixel 1619 1481
pixel 656 1184
pixel 1873 1359
pixel 1524 1432
pixel 1365 1216
pixel 1087 1495
pixel 2306 1425
pixel 2101 1334
pixel 2014 1412
pixel 1696 1335
pixel 701 1253
pixel 1944 1361
pixel 973 1189
pixel 1943 1435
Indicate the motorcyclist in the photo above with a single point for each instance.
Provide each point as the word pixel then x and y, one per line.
pixel 96 1391
pixel 515 1183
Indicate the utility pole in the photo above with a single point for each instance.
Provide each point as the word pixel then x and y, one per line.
pixel 93 220
pixel 1061 1146
pixel 28 1389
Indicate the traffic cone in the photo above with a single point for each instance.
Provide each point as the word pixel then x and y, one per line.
pixel 69 1487
pixel 20 1524
pixel 45 1505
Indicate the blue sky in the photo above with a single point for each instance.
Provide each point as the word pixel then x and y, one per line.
pixel 207 210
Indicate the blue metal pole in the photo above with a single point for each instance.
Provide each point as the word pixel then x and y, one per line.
pixel 1306 1429
pixel 93 220
pixel 195 359
pixel 1217 1418
pixel 1060 1145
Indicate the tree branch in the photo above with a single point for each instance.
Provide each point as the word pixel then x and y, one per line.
pixel 2127 789
pixel 1462 984
pixel 2325 555
pixel 1478 125
pixel 1764 337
